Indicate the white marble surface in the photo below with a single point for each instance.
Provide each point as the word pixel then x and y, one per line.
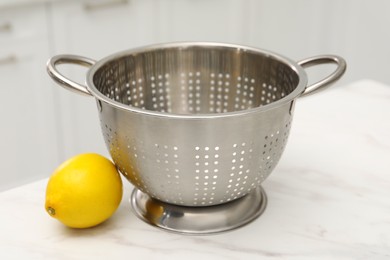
pixel 329 198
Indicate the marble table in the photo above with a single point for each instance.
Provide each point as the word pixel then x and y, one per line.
pixel 328 198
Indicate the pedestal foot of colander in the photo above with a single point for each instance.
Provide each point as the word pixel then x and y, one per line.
pixel 199 220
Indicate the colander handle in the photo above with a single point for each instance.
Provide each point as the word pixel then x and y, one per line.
pixel 327 81
pixel 61 79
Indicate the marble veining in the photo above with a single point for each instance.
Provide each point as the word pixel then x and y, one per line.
pixel 329 198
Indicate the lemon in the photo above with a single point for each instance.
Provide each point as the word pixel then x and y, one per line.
pixel 84 191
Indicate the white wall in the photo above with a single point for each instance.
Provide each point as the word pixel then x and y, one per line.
pixel 355 29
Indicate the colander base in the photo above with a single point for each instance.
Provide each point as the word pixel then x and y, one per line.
pixel 199 220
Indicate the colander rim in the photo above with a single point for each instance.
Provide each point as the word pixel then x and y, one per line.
pixel 300 87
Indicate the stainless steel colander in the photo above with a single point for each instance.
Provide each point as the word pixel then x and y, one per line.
pixel 196 124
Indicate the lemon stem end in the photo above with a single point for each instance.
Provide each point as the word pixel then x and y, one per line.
pixel 51 211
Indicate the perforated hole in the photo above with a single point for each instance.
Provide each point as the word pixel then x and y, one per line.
pixel 238 182
pixel 195 79
pixel 167 161
pixel 212 182
pixel 272 150
pixel 194 92
pixel 206 174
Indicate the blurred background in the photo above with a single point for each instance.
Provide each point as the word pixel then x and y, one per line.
pixel 44 124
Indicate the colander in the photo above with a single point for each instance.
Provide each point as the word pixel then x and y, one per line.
pixel 196 127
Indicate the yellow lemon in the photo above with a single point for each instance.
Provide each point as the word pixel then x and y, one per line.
pixel 84 191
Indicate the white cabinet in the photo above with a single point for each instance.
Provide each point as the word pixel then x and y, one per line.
pixel 98 28
pixel 93 29
pixel 27 108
